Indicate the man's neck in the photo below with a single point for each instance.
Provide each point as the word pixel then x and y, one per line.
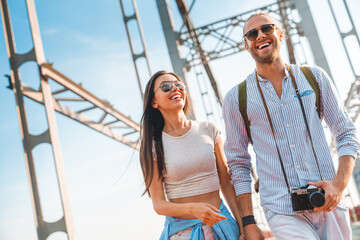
pixel 274 72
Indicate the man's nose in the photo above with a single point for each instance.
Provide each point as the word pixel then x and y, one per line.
pixel 260 34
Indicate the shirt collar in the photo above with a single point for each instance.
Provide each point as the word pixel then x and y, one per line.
pixel 265 80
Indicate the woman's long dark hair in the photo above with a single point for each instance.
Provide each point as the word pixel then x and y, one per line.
pixel 152 124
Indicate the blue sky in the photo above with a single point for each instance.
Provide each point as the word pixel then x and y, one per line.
pixel 86 41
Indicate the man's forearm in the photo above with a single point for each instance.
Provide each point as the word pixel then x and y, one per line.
pixel 251 231
pixel 346 167
pixel 245 203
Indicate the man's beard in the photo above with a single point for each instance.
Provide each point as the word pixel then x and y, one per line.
pixel 268 59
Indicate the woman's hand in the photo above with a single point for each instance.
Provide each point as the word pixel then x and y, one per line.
pixel 207 213
pixel 241 237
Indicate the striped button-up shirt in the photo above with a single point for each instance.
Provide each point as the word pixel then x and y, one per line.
pixel 291 135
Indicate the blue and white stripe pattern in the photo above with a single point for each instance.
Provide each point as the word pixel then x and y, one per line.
pixel 291 136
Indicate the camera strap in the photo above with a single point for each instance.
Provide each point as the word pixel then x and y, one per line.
pixel 304 115
pixel 272 128
pixel 273 133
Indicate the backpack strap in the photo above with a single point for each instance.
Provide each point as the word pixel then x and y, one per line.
pixel 314 85
pixel 243 111
pixel 243 107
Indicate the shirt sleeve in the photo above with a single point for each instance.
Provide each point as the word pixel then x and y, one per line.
pixel 336 116
pixel 236 144
pixel 214 131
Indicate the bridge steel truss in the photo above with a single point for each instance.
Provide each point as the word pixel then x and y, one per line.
pixel 110 122
pixel 223 37
pixel 134 16
pixel 352 102
pixel 104 118
pixel 64 224
pixel 201 71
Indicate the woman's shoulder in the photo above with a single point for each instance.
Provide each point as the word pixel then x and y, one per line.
pixel 207 125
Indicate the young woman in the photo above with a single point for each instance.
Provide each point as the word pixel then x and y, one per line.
pixel 184 160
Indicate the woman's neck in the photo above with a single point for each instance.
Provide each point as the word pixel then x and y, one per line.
pixel 175 122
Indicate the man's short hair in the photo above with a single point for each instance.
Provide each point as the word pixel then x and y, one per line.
pixel 267 15
pixel 262 14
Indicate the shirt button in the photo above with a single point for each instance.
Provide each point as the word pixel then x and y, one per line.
pixel 287 125
pixel 282 105
pixel 292 146
pixel 298 166
pixel 272 89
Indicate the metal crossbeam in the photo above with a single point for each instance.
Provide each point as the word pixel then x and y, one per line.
pixel 224 36
pixel 86 97
pixel 187 21
pixel 352 103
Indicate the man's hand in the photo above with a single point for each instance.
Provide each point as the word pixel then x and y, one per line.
pixel 253 232
pixel 333 195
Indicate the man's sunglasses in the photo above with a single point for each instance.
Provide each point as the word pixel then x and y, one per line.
pixel 266 29
pixel 166 86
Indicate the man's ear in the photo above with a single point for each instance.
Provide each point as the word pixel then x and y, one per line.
pixel 246 45
pixel 280 34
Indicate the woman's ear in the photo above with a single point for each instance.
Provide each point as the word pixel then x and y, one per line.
pixel 154 104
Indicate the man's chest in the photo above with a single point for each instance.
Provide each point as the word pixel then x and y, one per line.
pixel 282 102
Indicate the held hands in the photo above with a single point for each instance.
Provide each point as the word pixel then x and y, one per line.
pixel 333 195
pixel 207 213
pixel 253 232
pixel 242 237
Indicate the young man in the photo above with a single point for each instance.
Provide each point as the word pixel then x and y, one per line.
pixel 288 156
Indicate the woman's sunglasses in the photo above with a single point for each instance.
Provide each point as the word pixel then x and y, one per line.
pixel 166 86
pixel 266 29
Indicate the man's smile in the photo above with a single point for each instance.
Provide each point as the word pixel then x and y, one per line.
pixel 263 45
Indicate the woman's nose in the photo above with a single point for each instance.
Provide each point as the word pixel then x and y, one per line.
pixel 174 87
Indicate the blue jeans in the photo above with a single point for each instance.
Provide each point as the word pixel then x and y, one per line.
pixel 334 225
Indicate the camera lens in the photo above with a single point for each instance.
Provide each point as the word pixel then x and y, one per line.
pixel 316 199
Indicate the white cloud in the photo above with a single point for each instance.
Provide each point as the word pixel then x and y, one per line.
pixel 50 31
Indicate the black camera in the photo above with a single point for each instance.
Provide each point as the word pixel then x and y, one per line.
pixel 306 198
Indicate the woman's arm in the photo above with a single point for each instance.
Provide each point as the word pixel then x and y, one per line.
pixel 203 211
pixel 226 187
